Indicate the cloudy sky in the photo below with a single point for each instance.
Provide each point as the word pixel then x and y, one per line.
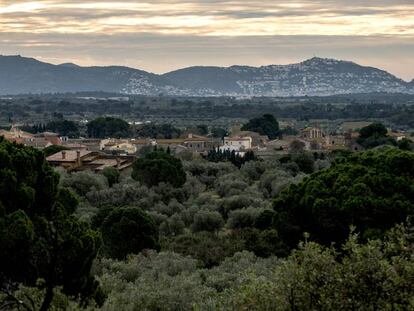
pixel 162 35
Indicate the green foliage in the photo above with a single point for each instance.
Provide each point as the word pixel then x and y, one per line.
pixel 158 131
pixel 31 298
pixel 153 282
pixel 297 146
pixel 265 125
pixel 297 162
pixel 218 132
pixel 39 236
pixel 372 190
pixel 214 194
pixel 374 129
pixel 58 125
pixel 63 128
pixel 207 221
pixel 265 220
pixel 157 281
pixel 374 135
pixel 217 155
pixel 202 129
pixel 104 127
pixel 405 144
pixel 157 167
pixel 372 276
pixel 264 243
pixel 305 162
pixel 126 231
pixel 172 226
pixel 273 181
pixel 83 182
pixel 207 247
pixel 204 264
pixel 112 175
pixel 53 149
pixel 243 218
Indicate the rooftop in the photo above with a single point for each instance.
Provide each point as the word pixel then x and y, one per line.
pixel 67 155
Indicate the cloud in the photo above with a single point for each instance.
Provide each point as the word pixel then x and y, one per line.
pixel 161 35
pixel 225 18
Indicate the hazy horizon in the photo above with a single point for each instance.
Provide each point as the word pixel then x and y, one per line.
pixel 165 35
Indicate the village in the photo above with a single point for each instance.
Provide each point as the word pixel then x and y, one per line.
pixel 96 154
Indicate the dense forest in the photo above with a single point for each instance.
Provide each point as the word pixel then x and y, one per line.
pixel 306 232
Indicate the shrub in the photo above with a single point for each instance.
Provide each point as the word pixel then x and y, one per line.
pixel 243 218
pixel 157 167
pixel 126 231
pixel 84 182
pixel 207 221
pixel 112 175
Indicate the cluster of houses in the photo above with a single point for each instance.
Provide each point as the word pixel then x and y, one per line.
pixel 97 154
pixel 39 141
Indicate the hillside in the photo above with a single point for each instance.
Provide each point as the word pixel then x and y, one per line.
pixel 313 77
pixel 27 75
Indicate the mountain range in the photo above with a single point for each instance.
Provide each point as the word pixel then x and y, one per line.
pixel 313 77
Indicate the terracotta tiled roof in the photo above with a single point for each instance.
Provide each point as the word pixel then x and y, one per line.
pixel 70 155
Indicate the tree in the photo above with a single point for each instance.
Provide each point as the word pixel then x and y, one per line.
pixel 305 162
pixel 158 131
pixel 405 144
pixel 104 127
pixel 264 243
pixel 39 236
pixel 112 175
pixel 83 182
pixel 218 132
pixel 207 247
pixel 202 129
pixel 172 226
pixel 374 135
pixel 243 218
pixel 372 191
pixel 63 128
pixel 372 276
pixel 374 129
pixel 126 231
pixel 217 155
pixel 53 149
pixel 265 125
pixel 297 146
pixel 207 221
pixel 157 167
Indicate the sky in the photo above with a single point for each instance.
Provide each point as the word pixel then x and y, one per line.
pixel 164 35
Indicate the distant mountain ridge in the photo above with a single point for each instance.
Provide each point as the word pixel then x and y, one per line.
pixel 313 77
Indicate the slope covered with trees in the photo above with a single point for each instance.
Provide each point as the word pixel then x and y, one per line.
pixel 206 235
pixel 372 190
pixel 40 238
